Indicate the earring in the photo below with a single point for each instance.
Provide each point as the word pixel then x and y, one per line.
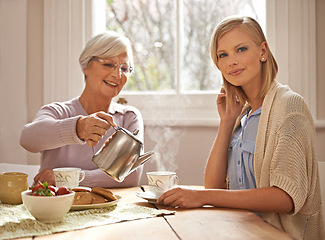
pixel 263 59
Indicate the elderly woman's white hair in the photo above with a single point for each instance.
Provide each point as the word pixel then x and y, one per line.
pixel 104 45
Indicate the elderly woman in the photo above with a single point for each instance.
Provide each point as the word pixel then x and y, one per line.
pixel 65 133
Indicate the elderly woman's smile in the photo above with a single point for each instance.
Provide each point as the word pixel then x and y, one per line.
pixel 110 83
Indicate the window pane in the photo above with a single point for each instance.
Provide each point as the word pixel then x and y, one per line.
pixel 200 20
pixel 151 27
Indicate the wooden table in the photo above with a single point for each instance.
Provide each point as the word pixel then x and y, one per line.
pixel 200 223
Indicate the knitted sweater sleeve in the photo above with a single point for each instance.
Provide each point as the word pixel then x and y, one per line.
pixel 291 166
pixel 54 126
pixel 285 158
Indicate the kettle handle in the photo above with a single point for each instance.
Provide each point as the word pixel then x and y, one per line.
pixel 115 128
pixel 93 150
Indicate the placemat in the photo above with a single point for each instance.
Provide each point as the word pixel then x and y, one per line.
pixel 16 221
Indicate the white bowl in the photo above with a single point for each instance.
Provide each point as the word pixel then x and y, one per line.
pixel 47 209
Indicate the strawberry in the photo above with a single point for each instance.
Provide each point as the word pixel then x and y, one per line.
pixel 43 189
pixel 53 189
pixel 63 190
pixel 37 186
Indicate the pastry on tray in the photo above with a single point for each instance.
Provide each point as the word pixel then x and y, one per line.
pixel 104 192
pixel 96 195
pixel 81 189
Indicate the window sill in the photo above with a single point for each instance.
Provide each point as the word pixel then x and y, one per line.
pixel 182 122
pixel 195 110
pixel 199 122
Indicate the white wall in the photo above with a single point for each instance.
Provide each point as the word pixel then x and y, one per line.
pixel 13 57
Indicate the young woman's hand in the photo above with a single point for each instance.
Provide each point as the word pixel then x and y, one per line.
pixel 181 197
pixel 230 115
pixel 92 128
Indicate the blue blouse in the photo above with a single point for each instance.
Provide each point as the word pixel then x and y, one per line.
pixel 241 155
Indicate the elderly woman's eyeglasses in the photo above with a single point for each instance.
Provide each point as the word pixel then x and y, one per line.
pixel 111 66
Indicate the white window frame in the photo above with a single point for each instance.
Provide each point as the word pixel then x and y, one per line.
pixel 290 29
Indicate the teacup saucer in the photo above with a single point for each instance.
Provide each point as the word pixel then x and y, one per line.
pixel 149 196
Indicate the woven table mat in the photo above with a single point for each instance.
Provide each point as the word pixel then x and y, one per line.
pixel 17 222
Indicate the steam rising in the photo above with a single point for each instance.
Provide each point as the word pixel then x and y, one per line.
pixel 167 145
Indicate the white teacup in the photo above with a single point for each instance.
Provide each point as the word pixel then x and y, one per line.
pixel 161 181
pixel 68 176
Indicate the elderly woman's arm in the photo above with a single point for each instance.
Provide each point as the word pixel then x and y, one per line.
pixel 49 130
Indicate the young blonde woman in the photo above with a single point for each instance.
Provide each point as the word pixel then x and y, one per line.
pixel 263 158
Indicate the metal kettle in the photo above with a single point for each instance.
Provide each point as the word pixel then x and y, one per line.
pixel 120 154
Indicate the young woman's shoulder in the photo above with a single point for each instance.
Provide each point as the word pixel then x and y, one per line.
pixel 289 101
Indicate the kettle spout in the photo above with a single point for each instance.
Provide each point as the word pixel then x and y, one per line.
pixel 142 159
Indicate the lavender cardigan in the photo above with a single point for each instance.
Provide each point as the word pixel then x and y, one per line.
pixel 53 134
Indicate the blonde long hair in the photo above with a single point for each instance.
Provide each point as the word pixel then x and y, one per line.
pixel 269 67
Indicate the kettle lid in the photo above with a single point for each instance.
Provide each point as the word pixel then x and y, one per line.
pixel 131 134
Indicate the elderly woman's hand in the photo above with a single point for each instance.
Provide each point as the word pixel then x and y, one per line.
pixel 92 128
pixel 47 175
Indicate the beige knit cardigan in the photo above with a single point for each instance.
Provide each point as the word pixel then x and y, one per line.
pixel 285 157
